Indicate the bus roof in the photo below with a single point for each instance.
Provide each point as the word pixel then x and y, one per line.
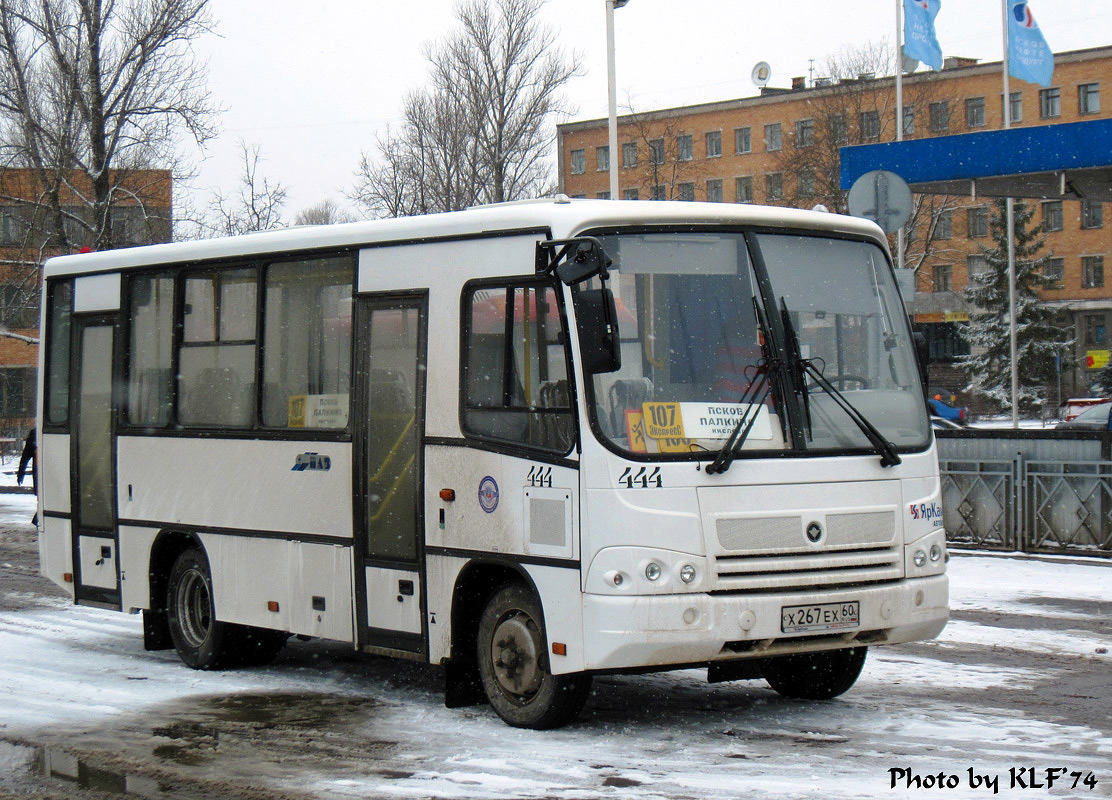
pixel 563 217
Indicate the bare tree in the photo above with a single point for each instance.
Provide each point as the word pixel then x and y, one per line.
pixel 256 204
pixel 667 171
pixel 326 212
pixel 92 92
pixel 482 130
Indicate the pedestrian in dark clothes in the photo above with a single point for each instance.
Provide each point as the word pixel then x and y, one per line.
pixel 30 456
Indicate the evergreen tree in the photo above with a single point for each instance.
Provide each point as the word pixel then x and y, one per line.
pixel 1038 338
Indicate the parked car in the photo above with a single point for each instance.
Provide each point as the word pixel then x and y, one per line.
pixel 1076 405
pixel 1095 418
pixel 941 408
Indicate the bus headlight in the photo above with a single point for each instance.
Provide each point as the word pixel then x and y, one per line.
pixel 936 552
pixel 687 573
pixel 653 571
pixel 920 558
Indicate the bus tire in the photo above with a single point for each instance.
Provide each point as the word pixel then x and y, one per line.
pixel 514 668
pixel 201 641
pixel 814 676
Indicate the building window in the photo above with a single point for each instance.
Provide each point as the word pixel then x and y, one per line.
pixel 1096 332
pixel 743 140
pixel 602 158
pixel 944 225
pixel 944 277
pixel 839 131
pixel 1088 98
pixel 714 144
pixel 940 116
pixel 656 151
pixel 1050 103
pixel 603 195
pixel 1052 215
pixel 869 122
pixel 743 188
pixel 909 120
pixel 978 222
pixel 657 193
pixel 17 391
pixel 684 150
pixel 685 192
pixel 19 307
pixel 774 186
pixel 1092 272
pixel 630 194
pixel 1055 272
pixel 578 162
pixel 804 133
pixel 1092 214
pixel 975 112
pixel 772 137
pixel 629 155
pixel 976 269
pixel 714 190
pixel 1015 112
pixel 807 183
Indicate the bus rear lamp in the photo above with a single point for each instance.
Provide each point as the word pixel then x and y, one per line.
pixel 687 573
pixel 653 571
pixel 920 558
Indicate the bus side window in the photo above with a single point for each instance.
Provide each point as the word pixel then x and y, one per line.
pixel 515 367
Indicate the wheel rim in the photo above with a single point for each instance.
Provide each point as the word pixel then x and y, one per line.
pixel 194 608
pixel 515 652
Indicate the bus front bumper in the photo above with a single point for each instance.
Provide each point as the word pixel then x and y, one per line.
pixel 672 630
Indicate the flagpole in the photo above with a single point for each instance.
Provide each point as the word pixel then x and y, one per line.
pixel 1010 204
pixel 899 113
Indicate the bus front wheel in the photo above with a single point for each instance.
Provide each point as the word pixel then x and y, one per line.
pixel 513 664
pixel 814 676
pixel 201 641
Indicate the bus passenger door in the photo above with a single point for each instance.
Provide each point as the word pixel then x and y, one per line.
pixel 95 557
pixel 389 427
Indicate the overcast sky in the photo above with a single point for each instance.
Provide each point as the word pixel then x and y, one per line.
pixel 312 83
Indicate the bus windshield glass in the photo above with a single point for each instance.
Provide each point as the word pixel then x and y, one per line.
pixel 722 334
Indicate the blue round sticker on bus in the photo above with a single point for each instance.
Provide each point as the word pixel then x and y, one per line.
pixel 488 494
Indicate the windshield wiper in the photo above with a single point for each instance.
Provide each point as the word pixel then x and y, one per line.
pixel 760 384
pixel 887 451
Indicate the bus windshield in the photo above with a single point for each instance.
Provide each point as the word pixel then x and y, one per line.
pixel 796 342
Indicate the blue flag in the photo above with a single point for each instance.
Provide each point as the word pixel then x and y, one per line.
pixel 919 39
pixel 1029 56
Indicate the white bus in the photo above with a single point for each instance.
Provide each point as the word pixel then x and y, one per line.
pixel 531 443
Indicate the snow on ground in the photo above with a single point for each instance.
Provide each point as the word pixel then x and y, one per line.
pixel 79 674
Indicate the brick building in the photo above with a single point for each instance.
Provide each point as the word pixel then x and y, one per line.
pixel 780 148
pixel 27 238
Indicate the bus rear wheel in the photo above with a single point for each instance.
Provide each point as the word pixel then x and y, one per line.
pixel 514 667
pixel 201 641
pixel 814 676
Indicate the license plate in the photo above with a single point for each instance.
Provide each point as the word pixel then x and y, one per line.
pixel 822 617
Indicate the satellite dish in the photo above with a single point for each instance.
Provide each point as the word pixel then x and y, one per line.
pixel 761 74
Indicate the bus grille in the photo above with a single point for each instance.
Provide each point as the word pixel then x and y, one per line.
pixel 771 553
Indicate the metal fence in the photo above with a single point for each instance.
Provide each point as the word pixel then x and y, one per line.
pixel 1034 491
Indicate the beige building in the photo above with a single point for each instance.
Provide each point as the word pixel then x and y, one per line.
pixel 781 148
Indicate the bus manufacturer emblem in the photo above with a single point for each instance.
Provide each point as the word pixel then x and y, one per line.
pixel 814 532
pixel 488 494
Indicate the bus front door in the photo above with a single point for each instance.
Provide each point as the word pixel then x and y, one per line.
pixel 389 429
pixel 93 491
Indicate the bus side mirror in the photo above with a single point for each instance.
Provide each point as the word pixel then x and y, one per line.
pixel 597 318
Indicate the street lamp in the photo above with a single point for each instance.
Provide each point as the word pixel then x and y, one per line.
pixel 613 92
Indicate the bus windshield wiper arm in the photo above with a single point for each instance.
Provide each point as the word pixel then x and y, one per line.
pixel 753 399
pixel 888 455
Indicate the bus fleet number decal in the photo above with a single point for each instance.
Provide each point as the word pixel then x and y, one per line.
pixel 540 476
pixel 642 478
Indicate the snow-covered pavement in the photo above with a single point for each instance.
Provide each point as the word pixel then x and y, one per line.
pixel 1019 683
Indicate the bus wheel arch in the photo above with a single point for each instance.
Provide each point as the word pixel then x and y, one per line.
pixel 511 650
pixel 167 546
